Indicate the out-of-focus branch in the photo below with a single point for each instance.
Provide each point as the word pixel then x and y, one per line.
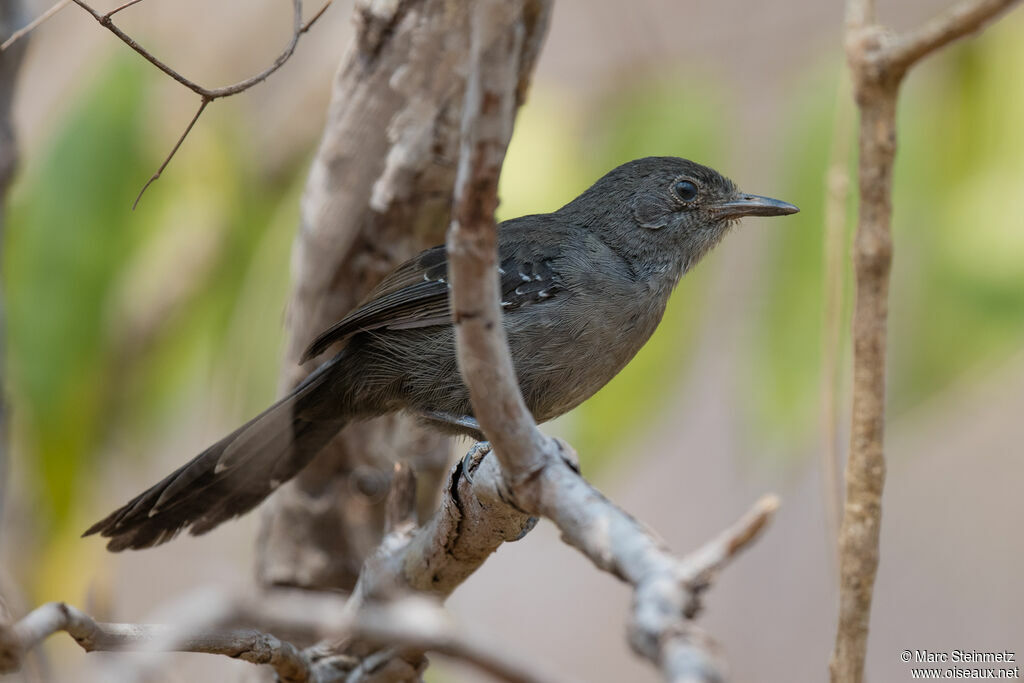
pixel 32 25
pixel 960 20
pixel 252 646
pixel 878 61
pixel 206 95
pixel 410 624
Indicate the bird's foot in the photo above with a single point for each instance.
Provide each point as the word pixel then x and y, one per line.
pixel 471 461
pixel 473 458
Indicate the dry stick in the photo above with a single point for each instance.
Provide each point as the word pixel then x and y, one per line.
pixel 408 623
pixel 878 61
pixel 202 105
pixel 206 95
pixel 246 644
pixel 31 26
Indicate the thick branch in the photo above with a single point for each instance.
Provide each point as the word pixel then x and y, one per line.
pixel 878 63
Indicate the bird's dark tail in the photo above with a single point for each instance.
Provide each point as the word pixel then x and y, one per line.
pixel 233 475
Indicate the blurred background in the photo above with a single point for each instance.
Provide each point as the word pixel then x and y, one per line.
pixel 135 338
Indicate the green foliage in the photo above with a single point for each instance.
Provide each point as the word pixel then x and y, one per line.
pixel 115 315
pixel 959 217
pixel 68 233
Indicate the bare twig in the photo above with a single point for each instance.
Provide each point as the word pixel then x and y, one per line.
pixel 878 62
pixel 206 95
pixel 962 19
pixel 202 105
pixel 249 645
pixel 32 25
pixel 120 7
pixel 210 93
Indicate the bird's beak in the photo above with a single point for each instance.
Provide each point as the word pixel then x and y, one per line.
pixel 752 205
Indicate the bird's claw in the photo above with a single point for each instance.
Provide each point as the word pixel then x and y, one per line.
pixel 473 458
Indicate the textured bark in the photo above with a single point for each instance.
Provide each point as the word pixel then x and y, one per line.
pixel 379 191
pixel 878 62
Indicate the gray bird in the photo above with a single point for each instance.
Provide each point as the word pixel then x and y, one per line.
pixel 582 290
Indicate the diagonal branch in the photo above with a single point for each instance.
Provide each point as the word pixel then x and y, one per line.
pixel 960 20
pixel 249 645
pixel 34 24
pixel 206 95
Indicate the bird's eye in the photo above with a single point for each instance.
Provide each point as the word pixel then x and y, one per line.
pixel 685 190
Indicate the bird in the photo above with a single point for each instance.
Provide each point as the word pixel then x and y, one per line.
pixel 582 289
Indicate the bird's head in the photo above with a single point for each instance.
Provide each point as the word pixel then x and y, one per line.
pixel 667 209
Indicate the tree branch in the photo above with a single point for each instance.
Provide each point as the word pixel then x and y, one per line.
pixel 878 63
pixel 35 23
pixel 962 19
pixel 206 95
pixel 291 664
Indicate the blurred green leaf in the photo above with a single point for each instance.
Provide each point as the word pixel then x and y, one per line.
pixel 69 232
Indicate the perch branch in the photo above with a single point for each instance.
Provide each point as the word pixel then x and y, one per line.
pixel 878 61
pixel 537 471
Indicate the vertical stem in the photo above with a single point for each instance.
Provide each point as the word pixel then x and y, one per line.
pixel 865 468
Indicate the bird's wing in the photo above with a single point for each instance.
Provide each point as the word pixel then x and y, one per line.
pixel 416 293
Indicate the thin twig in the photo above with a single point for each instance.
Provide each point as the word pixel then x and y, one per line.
pixel 878 62
pixel 195 117
pixel 958 21
pixel 210 93
pixel 121 7
pixel 206 95
pixel 17 35
pixel 246 644
pixel 313 19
